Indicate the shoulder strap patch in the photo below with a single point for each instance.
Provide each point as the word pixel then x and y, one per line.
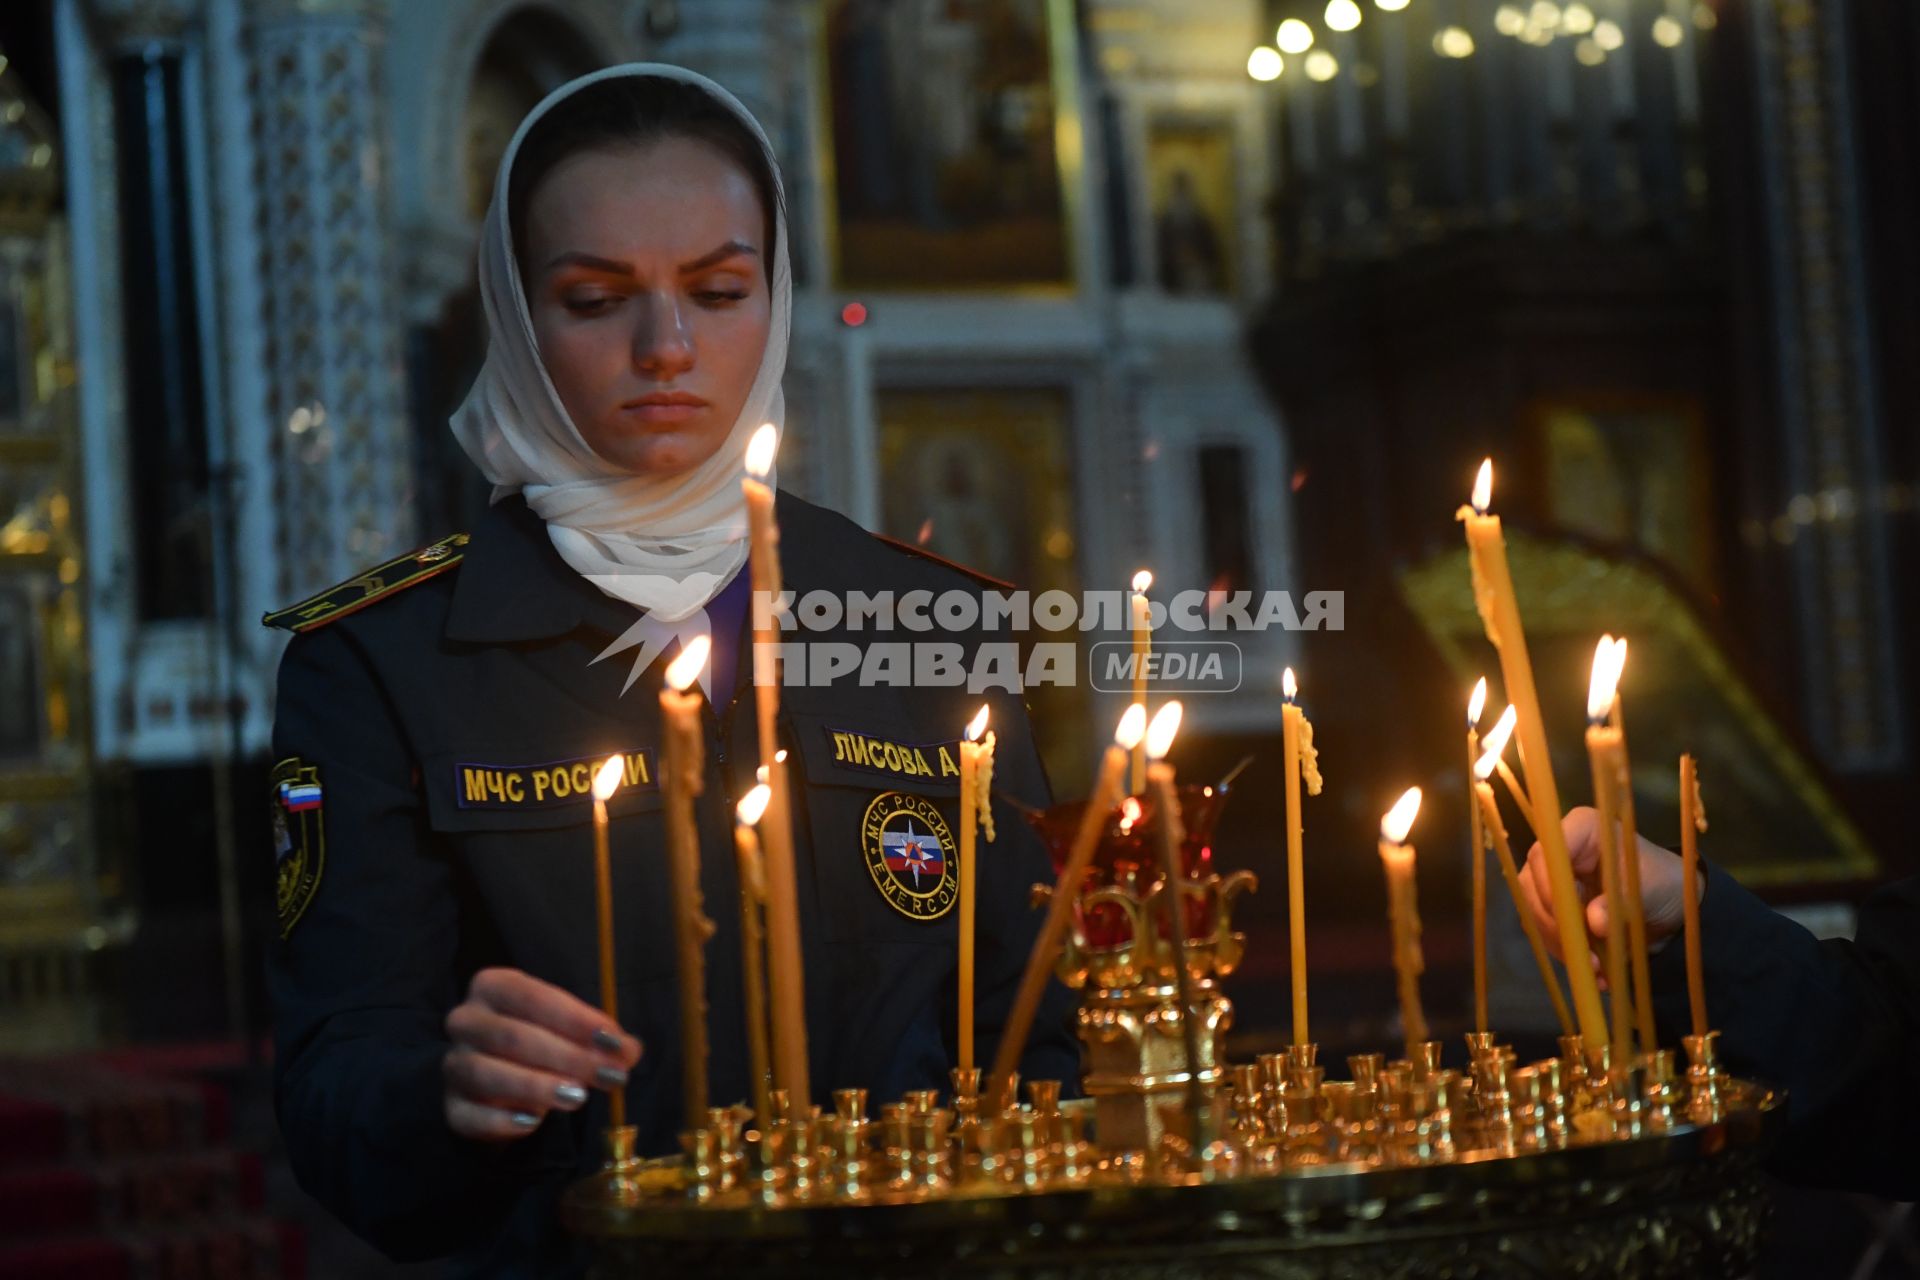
pixel 912 549
pixel 377 583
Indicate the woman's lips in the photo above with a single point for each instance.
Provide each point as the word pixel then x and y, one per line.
pixel 655 412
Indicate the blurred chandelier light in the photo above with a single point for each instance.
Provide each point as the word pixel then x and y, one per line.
pixel 1342 15
pixel 1589 52
pixel 1453 42
pixel 1607 34
pixel 1576 19
pixel 1265 63
pixel 1509 21
pixel 1667 31
pixel 1545 14
pixel 1294 36
pixel 1703 15
pixel 1322 65
pixel 1395 6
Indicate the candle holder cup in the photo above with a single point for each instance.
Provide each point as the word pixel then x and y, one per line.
pixel 1118 954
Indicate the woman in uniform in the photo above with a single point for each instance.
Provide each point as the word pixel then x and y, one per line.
pixel 443 1066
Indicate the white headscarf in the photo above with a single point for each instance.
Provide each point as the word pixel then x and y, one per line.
pixel 664 543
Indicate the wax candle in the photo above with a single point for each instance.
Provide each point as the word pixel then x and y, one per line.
pixel 1403 909
pixel 1602 753
pixel 1170 835
pixel 682 776
pixel 1693 821
pixel 1302 765
pixel 1477 845
pixel 606 781
pixel 1496 831
pixel 1066 896
pixel 1638 961
pixel 1141 611
pixel 789 1011
pixel 753 955
pixel 976 782
pixel 1500 612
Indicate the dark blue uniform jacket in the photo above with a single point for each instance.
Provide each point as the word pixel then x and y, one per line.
pixel 1836 1022
pixel 433 747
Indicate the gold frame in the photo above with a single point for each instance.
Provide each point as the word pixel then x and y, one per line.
pixel 1069 153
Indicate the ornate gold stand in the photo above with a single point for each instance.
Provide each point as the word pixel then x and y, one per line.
pixel 1572 1166
pixel 1685 1204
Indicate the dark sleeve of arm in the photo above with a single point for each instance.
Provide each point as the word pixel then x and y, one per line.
pixel 1837 1023
pixel 1009 868
pixel 363 980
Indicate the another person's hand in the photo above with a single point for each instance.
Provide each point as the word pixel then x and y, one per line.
pixel 522 1048
pixel 1660 887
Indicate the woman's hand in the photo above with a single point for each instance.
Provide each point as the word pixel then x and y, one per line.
pixel 522 1048
pixel 1660 887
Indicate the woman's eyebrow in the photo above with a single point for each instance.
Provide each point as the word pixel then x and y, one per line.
pixel 721 254
pixel 593 262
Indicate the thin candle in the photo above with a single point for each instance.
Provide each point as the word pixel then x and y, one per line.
pixel 683 756
pixel 1638 961
pixel 784 961
pixel 976 774
pixel 1496 831
pixel 1172 834
pixel 1141 611
pixel 753 954
pixel 1477 846
pixel 1500 612
pixel 1403 909
pixel 1693 821
pixel 1302 764
pixel 1501 731
pixel 1066 895
pixel 1602 752
pixel 606 781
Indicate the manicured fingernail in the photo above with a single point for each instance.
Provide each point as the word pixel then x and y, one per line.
pixel 524 1119
pixel 610 1077
pixel 605 1039
pixel 570 1093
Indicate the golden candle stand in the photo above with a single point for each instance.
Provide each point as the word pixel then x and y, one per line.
pixel 1573 1166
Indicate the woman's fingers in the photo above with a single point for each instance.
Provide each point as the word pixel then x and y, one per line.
pixel 1534 899
pixel 508 1086
pixel 477 1120
pixel 522 997
pixel 476 1026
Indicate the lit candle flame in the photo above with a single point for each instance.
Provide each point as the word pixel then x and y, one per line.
pixel 752 805
pixel 1288 685
pixel 1477 703
pixel 760 771
pixel 1142 580
pixel 685 669
pixel 1160 731
pixel 1399 819
pixel 606 780
pixel 1483 487
pixel 1129 814
pixel 760 450
pixel 1133 727
pixel 1608 657
pixel 1495 743
pixel 977 725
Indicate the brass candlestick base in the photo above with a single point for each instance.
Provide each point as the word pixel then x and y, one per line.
pixel 1437 1197
pixel 1575 1165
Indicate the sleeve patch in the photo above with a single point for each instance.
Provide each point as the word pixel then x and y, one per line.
pixel 299 838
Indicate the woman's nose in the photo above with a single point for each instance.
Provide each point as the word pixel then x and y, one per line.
pixel 662 337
